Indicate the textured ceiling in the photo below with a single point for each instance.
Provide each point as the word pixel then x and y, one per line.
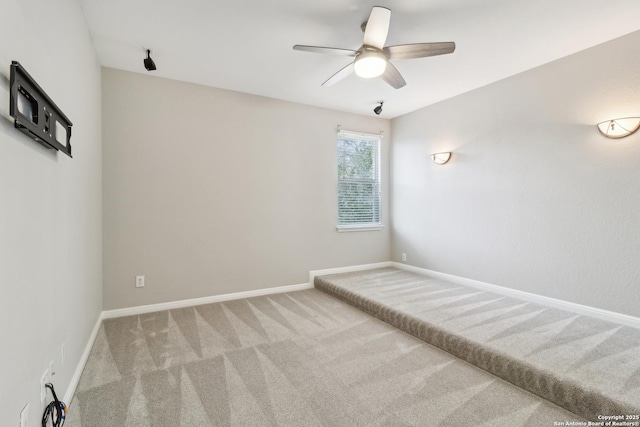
pixel 246 45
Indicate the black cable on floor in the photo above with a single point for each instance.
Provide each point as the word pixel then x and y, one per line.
pixel 55 411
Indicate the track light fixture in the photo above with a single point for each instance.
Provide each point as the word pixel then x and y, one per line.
pixel 378 109
pixel 148 62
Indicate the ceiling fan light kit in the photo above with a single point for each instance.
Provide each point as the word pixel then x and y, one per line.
pixel 372 58
pixel 370 63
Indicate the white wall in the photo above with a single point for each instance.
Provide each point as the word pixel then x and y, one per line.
pixel 50 207
pixel 534 197
pixel 208 191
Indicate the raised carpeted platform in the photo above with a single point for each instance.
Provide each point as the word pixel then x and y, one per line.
pixel 588 366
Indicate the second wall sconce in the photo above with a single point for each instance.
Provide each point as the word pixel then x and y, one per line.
pixel 619 128
pixel 441 158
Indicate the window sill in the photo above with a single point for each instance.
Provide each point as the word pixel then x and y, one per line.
pixel 350 228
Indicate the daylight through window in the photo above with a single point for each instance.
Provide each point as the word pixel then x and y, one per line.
pixel 358 181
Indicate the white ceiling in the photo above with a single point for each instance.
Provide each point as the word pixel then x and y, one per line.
pixel 246 45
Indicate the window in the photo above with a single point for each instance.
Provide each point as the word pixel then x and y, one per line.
pixel 358 181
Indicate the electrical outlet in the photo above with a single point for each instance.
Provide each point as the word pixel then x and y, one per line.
pixel 51 373
pixel 404 257
pixel 43 389
pixel 139 281
pixel 24 416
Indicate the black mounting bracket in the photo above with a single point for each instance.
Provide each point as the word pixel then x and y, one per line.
pixel 35 113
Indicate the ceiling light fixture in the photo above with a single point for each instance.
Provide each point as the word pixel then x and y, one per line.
pixel 619 128
pixel 370 62
pixel 440 158
pixel 148 62
pixel 378 109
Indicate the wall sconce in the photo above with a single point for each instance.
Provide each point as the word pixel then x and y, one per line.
pixel 619 128
pixel 441 158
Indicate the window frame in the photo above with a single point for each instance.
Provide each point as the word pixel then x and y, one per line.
pixel 377 180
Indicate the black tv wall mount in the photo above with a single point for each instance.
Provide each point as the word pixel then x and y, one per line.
pixel 35 113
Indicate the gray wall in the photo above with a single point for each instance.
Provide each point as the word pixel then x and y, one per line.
pixel 208 191
pixel 534 197
pixel 50 207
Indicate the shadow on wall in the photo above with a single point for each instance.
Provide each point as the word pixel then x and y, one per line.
pixel 4 98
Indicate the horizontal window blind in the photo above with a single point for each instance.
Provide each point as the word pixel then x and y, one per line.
pixel 359 188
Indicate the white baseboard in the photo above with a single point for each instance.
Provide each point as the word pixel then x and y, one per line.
pixel 349 269
pixel 142 309
pixel 586 310
pixel 75 379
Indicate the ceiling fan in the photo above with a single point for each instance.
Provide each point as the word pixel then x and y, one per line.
pixel 373 59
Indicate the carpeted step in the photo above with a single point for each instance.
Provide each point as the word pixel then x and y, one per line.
pixel 588 366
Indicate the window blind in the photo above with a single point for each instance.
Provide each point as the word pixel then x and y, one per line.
pixel 359 197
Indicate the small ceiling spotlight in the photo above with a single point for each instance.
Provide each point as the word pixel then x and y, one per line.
pixel 440 158
pixel 148 62
pixel 378 109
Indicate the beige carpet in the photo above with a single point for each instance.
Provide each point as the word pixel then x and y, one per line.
pixel 588 366
pixel 297 359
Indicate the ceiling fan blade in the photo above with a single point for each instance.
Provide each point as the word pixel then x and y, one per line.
pixel 392 76
pixel 418 50
pixel 375 33
pixel 326 50
pixel 339 75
